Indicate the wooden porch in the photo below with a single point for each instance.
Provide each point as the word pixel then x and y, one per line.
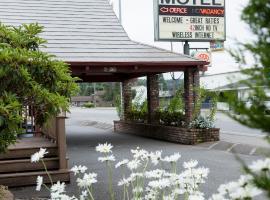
pixel 16 168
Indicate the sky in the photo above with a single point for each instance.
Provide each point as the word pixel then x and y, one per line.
pixel 138 21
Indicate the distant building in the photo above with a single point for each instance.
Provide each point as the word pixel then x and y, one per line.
pixel 97 99
pixel 227 82
pixel 222 81
pixel 81 100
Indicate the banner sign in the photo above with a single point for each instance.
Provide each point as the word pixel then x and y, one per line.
pixel 190 20
pixel 217 46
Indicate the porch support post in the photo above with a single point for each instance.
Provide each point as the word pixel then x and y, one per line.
pixel 61 141
pixel 152 97
pixel 127 98
pixel 196 83
pixel 189 95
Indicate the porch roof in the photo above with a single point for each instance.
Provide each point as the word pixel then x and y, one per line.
pixel 87 33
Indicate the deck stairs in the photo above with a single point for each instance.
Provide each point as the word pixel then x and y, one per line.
pixel 16 168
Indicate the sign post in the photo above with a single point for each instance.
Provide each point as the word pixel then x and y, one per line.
pixel 186 48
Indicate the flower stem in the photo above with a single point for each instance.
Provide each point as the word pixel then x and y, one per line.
pixel 45 167
pixel 90 194
pixel 109 168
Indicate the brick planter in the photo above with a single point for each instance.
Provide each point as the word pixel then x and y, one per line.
pixel 168 133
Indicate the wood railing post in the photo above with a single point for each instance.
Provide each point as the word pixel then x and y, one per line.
pixel 61 141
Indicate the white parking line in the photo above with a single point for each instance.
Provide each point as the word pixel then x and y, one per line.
pixel 213 145
pixel 229 149
pixel 252 151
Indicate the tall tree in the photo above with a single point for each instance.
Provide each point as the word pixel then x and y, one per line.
pixel 29 77
pixel 256 14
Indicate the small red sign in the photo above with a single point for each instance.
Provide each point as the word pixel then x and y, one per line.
pixel 205 56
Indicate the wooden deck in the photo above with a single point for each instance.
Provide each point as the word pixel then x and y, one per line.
pixel 25 147
pixel 16 168
pixel 33 142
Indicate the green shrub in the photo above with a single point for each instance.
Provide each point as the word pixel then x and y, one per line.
pixel 88 105
pixel 10 119
pixel 137 115
pixel 202 122
pixel 29 77
pixel 170 118
pixel 176 104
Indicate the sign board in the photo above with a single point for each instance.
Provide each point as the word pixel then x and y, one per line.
pixel 217 46
pixel 203 55
pixel 189 20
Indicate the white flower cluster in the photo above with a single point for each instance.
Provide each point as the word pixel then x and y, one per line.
pixel 142 182
pixel 57 190
pixel 84 183
pixel 244 187
pixel 160 183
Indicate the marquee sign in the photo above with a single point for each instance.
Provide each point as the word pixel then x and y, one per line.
pixel 189 20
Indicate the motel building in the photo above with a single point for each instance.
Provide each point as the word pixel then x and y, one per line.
pixel 89 38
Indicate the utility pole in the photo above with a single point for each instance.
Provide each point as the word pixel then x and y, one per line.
pixel 120 11
pixel 121 83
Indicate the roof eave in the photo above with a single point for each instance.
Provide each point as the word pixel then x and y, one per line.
pixel 143 63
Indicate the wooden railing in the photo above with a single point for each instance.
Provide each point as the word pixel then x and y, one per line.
pixel 55 130
pixel 49 129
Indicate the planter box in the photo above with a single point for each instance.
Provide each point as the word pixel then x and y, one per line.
pixel 168 133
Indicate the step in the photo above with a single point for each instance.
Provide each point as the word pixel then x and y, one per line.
pixel 29 178
pixel 23 165
pixel 25 147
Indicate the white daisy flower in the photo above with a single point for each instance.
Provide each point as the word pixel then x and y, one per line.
pixel 78 169
pixel 190 164
pixel 82 169
pixel 39 183
pixel 58 187
pixel 83 195
pixel 104 148
pixel 260 165
pixel 155 157
pixel 158 173
pixel 134 164
pixel 38 155
pixel 160 184
pixel 173 158
pixel 107 158
pixel 139 153
pixel 87 180
pixel 124 181
pixel 121 163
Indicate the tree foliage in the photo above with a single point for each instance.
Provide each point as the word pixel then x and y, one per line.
pixel 256 14
pixel 28 76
